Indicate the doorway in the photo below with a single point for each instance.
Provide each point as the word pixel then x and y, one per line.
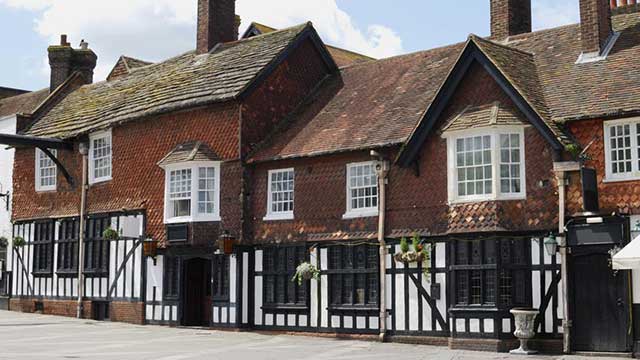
pixel 196 290
pixel 600 302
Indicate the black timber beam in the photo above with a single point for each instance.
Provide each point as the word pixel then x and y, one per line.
pixel 34 141
pixel 45 145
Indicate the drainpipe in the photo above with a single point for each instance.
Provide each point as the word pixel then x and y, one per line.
pixel 566 322
pixel 84 151
pixel 382 169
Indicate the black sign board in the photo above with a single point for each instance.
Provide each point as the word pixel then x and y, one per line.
pixel 177 233
pixel 611 231
pixel 589 190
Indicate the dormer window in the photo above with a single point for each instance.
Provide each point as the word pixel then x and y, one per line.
pixel 486 164
pixel 192 184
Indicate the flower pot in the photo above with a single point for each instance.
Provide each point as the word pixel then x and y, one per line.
pixel 525 330
pixel 306 271
pixel 409 257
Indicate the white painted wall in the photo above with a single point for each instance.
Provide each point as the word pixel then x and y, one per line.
pixel 7 126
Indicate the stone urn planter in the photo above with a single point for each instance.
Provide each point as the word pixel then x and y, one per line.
pixel 525 320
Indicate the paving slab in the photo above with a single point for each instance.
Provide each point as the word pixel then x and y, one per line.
pixel 32 336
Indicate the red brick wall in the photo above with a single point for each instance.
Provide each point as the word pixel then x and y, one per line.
pixel 129 312
pixel 413 202
pixel 623 196
pixel 138 182
pixel 281 93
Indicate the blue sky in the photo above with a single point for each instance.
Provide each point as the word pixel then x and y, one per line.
pixel 156 29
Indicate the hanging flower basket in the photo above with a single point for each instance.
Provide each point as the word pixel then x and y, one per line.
pixel 305 272
pixel 110 234
pixel 18 241
pixel 410 257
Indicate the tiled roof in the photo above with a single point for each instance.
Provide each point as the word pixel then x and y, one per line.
pixel 342 57
pixel 24 103
pixel 482 116
pixel 188 80
pixel 189 151
pixel 124 66
pixel 380 103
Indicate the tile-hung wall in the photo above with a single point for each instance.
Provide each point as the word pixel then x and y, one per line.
pixel 121 278
pixel 163 303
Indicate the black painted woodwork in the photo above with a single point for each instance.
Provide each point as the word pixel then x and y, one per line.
pixel 279 267
pixel 43 248
pixel 220 278
pixel 195 302
pixel 353 276
pixel 177 233
pixel 612 230
pixel 600 302
pixel 589 190
pixel 96 249
pixel 67 255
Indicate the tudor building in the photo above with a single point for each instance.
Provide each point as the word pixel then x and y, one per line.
pixel 247 157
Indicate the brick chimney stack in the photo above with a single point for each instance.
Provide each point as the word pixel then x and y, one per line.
pixel 65 60
pixel 216 24
pixel 510 17
pixel 595 25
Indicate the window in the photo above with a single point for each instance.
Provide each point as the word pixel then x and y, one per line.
pixel 362 190
pixel 100 157
pixel 192 192
pixel 280 195
pixel 353 276
pixel 96 249
pixel 67 255
pixel 43 248
pixel 46 171
pixel 622 149
pixel 220 278
pixel 491 273
pixel 171 290
pixel 280 265
pixel 486 165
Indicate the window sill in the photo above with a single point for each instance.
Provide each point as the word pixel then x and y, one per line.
pixel 46 190
pixel 284 307
pixel 183 220
pixel 485 199
pixel 360 214
pixel 99 181
pixel 354 307
pixel 67 273
pixel 278 217
pixel 609 179
pixel 41 274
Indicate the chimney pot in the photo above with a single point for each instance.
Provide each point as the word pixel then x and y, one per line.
pixel 216 24
pixel 510 17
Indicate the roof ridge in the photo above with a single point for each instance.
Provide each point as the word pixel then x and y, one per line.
pixel 504 46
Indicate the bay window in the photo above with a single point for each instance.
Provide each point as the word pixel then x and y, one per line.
pixel 622 149
pixel 486 164
pixel 192 192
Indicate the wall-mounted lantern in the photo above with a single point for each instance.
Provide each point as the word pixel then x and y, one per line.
pixel 225 243
pixel 150 247
pixel 552 242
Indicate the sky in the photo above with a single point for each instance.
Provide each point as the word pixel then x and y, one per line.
pixel 154 30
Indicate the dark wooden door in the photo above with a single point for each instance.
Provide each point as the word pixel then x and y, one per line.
pixel 600 299
pixel 196 299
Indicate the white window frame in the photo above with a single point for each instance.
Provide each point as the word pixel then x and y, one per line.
pixel 278 215
pixel 635 157
pixel 99 135
pixel 195 216
pixel 496 194
pixel 363 212
pixel 39 186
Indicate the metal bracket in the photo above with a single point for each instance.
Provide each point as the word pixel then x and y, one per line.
pixel 59 165
pixel 5 197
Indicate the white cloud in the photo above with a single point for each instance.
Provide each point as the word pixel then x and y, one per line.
pixel 157 29
pixel 552 13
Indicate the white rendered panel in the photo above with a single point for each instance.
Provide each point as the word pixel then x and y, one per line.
pixel 324 287
pixel 259 260
pixel 245 288
pixel 232 278
pixel 257 311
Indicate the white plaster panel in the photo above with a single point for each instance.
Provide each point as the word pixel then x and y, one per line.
pixel 347 322
pixel 335 321
pixel 257 311
pixel 361 322
pixel 399 302
pixel 291 320
pixel 280 319
pixel 488 325
pixel 258 259
pixel 441 255
pixel 232 278
pixel 245 288
pixel 474 325
pixel 460 325
pixel 268 319
pixel 302 320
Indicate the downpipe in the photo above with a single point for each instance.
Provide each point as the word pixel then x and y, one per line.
pixel 382 170
pixel 566 321
pixel 84 151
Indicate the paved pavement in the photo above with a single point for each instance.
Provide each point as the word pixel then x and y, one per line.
pixel 30 336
